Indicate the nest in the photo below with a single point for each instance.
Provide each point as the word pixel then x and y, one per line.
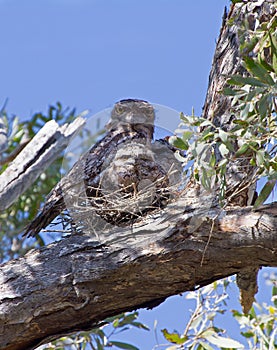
pixel 132 184
pixel 124 207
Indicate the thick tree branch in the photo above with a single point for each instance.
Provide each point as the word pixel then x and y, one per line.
pixel 75 283
pixel 39 153
pixel 242 19
pixel 227 60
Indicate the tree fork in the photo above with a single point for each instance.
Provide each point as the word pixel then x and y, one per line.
pixel 76 283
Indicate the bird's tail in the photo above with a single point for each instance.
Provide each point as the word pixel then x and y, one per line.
pixel 48 213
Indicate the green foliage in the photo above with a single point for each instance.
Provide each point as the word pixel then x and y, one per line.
pixel 260 329
pixel 100 338
pixel 202 333
pixel 260 326
pixel 209 150
pixel 253 132
pixel 174 337
pixel 15 218
pixel 254 104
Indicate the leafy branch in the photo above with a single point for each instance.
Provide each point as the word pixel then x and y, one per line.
pixel 101 338
pixel 210 149
pixel 201 332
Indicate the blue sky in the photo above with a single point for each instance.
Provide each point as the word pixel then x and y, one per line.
pixel 91 53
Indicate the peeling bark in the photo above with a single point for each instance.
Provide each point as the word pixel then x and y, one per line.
pixel 35 157
pixel 76 283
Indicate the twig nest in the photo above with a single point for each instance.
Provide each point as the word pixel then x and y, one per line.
pixel 134 180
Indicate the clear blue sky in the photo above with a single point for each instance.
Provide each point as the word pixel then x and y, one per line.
pixel 90 53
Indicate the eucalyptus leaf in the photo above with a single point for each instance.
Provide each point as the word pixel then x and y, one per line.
pixel 254 82
pixel 266 65
pixel 201 149
pixel 223 163
pixel 205 346
pixel 248 334
pixel 242 150
pixel 122 345
pixel 273 42
pixel 240 80
pixel 208 135
pixel 236 80
pixel 263 106
pixel 205 179
pixel 178 143
pixel 139 325
pixel 245 111
pixel 243 123
pixel 260 157
pixel 173 337
pixel 206 122
pixel 196 322
pixel 265 193
pixel 223 135
pixel 274 294
pixel 179 157
pixel 187 135
pixel 212 161
pixel 230 92
pixel 127 319
pixel 258 71
pixel 223 150
pixel 223 342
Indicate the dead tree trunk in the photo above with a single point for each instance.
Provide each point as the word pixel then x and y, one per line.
pixel 76 283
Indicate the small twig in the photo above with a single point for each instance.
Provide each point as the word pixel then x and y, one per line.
pixel 56 231
pixel 15 152
pixel 195 313
pixel 208 242
pixel 248 184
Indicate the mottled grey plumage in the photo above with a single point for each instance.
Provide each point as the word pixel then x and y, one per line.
pixel 120 176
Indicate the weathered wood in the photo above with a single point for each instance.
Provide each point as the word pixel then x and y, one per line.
pixel 3 131
pixel 75 283
pixel 227 61
pixel 3 135
pixel 39 153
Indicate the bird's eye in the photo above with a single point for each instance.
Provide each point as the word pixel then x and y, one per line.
pixel 119 109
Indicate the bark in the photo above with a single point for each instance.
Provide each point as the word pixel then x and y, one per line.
pixel 39 153
pixel 226 62
pixel 3 131
pixel 76 283
pixel 3 136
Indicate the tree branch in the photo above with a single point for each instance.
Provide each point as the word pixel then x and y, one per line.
pixel 76 283
pixel 39 153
